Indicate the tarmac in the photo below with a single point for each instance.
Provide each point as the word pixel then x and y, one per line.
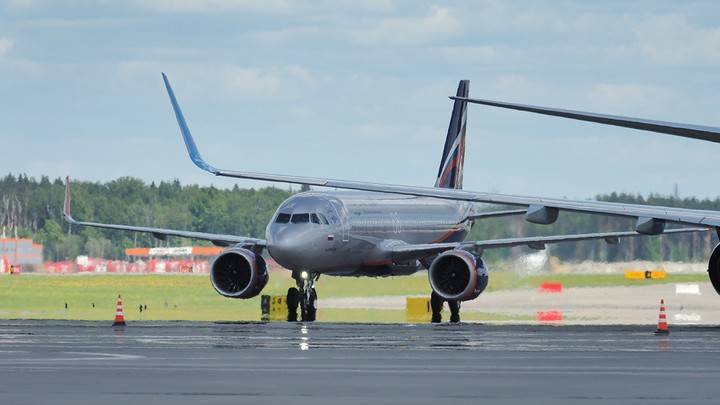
pixel 67 362
pixel 607 305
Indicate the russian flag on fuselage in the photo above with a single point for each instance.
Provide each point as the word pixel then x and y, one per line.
pixel 451 166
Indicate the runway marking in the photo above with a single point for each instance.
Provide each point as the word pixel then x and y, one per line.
pixel 688 318
pixel 697 373
pixel 689 289
pixel 87 356
pixel 105 356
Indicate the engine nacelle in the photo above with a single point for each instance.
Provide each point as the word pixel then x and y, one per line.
pixel 714 268
pixel 458 275
pixel 239 273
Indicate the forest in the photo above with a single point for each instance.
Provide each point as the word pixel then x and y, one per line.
pixel 32 208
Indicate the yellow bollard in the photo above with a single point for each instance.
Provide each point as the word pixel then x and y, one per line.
pixel 417 310
pixel 654 274
pixel 274 308
pixel 635 275
pixel 658 273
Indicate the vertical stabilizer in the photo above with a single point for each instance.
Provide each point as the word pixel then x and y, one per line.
pixel 450 173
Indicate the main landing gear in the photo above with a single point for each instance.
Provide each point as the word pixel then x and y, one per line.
pixel 436 304
pixel 303 296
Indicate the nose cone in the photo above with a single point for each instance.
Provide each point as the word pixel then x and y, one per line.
pixel 293 246
pixel 285 248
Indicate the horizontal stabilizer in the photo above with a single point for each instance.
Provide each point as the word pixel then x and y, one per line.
pixel 705 133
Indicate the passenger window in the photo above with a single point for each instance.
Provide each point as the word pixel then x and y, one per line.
pixel 282 218
pixel 300 218
pixel 314 219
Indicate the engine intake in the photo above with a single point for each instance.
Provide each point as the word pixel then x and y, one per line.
pixel 458 275
pixel 714 268
pixel 239 273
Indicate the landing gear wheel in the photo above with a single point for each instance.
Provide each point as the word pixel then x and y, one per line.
pixel 436 304
pixel 311 309
pixel 293 300
pixel 306 295
pixel 454 311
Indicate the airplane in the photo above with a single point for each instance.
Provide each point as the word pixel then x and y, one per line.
pixel 370 230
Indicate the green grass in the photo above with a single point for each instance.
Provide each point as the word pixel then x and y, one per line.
pixel 188 297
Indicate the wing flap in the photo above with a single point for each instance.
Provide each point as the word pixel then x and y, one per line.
pixel 417 251
pixel 495 214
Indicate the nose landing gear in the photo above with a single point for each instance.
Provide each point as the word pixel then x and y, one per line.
pixel 303 296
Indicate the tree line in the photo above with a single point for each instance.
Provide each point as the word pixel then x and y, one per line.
pixel 33 209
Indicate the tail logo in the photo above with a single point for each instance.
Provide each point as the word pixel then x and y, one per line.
pixel 450 174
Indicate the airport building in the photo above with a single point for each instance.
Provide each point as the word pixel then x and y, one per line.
pixel 20 252
pixel 185 259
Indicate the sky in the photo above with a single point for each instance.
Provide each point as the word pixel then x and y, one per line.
pixel 358 90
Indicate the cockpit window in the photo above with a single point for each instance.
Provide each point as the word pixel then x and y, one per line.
pixel 322 218
pixel 300 218
pixel 314 219
pixel 282 218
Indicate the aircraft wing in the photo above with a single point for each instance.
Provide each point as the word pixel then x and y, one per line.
pixel 161 233
pixel 495 214
pixel 650 219
pixel 706 133
pixel 409 252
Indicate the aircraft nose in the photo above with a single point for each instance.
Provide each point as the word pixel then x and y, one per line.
pixel 286 248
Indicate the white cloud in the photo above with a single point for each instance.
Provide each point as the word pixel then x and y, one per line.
pixel 223 80
pixel 623 98
pixel 437 25
pixel 467 54
pixel 23 4
pixel 671 39
pixel 211 6
pixel 263 6
pixel 193 6
pixel 294 34
pixel 5 45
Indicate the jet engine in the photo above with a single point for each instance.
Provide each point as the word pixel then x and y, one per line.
pixel 239 273
pixel 714 268
pixel 458 275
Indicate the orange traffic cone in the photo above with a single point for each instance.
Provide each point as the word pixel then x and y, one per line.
pixel 119 317
pixel 662 328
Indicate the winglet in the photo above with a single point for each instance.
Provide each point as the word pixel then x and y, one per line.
pixel 66 205
pixel 187 137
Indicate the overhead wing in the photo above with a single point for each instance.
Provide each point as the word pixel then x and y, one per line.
pixel 410 252
pixel 161 233
pixel 650 219
pixel 706 133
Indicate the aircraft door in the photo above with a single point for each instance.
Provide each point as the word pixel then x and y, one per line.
pixel 341 215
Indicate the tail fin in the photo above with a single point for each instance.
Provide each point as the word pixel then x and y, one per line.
pixel 450 174
pixel 66 206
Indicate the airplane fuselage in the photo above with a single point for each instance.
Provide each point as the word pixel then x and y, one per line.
pixel 348 233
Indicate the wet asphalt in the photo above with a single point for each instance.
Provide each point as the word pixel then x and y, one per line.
pixel 65 362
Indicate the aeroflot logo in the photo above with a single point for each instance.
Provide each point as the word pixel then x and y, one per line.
pixel 451 176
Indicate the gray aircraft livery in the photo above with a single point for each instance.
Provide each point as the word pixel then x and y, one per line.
pixel 390 230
